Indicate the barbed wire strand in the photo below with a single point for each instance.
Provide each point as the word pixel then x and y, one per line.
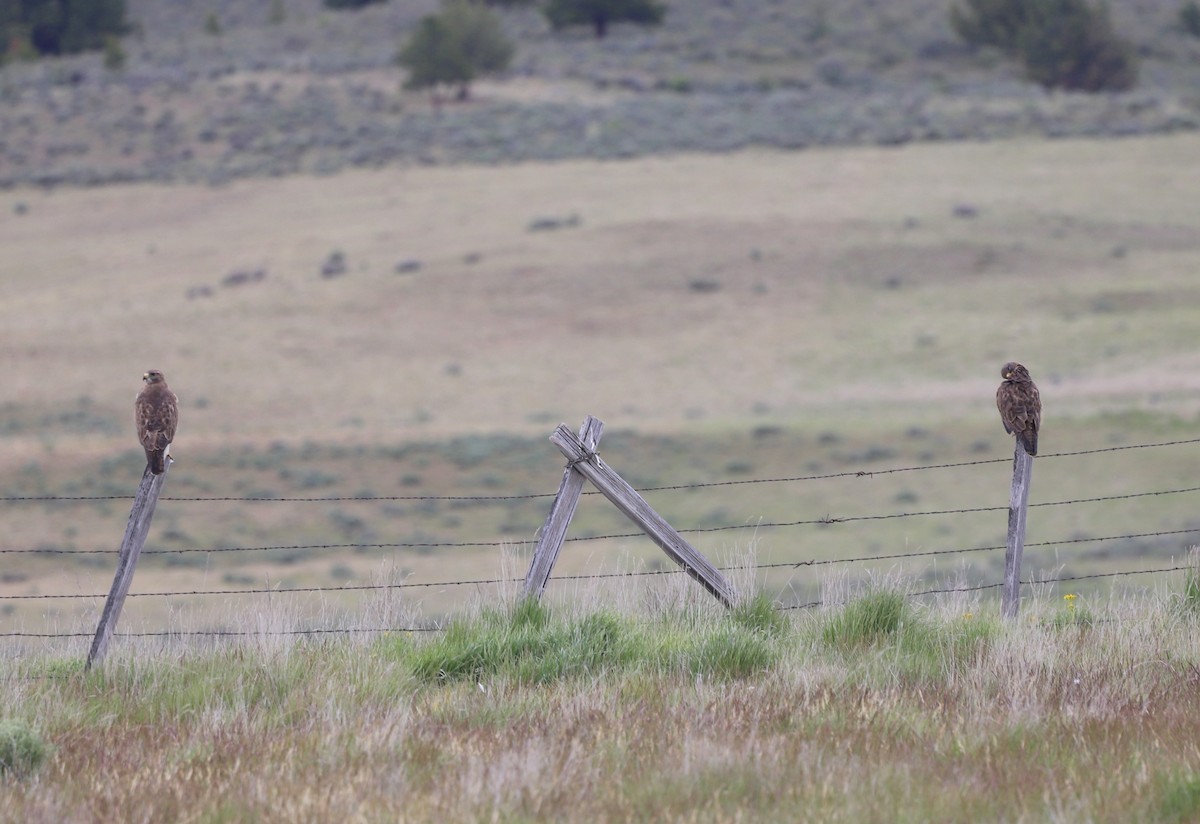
pixel 864 473
pixel 606 575
pixel 223 632
pixel 932 552
pixel 824 521
pixel 997 585
pixel 960 588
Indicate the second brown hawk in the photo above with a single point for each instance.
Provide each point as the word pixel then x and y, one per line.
pixel 156 412
pixel 1020 405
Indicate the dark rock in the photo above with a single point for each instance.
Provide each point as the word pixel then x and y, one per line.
pixel 334 265
pixel 244 276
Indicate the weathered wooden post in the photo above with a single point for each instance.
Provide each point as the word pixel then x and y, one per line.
pixel 625 498
pixel 554 531
pixel 1018 508
pixel 140 516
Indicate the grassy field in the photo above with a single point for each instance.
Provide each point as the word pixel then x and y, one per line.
pixel 737 318
pixel 758 315
pixel 623 709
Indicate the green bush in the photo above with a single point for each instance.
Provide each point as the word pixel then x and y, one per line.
pixel 1069 44
pixel 55 27
pixel 464 41
pixel 990 22
pixel 1189 18
pixel 22 751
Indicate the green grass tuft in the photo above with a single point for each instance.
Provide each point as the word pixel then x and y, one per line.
pixel 22 750
pixel 526 644
pixel 867 620
pixel 758 614
pixel 532 646
pixel 917 646
pixel 1180 800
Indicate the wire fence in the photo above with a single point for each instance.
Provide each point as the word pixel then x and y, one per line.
pixel 826 520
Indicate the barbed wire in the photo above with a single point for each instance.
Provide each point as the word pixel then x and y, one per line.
pixel 963 550
pixel 862 473
pixel 956 589
pixel 223 632
pixel 963 588
pixel 604 575
pixel 827 520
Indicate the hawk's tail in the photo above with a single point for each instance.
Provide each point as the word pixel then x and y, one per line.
pixel 1029 441
pixel 157 461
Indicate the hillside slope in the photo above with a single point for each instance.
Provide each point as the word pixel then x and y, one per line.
pixel 318 92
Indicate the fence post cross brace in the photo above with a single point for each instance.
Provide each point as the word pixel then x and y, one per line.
pixel 584 464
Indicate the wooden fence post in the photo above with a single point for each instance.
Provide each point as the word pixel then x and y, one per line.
pixel 626 499
pixel 554 531
pixel 1018 508
pixel 136 530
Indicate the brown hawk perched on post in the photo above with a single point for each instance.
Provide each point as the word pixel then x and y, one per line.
pixel 156 412
pixel 1020 405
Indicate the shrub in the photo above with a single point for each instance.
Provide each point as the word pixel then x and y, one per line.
pixel 21 750
pixel 464 41
pixel 114 55
pixel 54 27
pixel 1071 44
pixel 1066 44
pixel 990 22
pixel 1189 18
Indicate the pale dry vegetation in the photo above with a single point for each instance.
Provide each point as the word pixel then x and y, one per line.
pixel 758 315
pixel 620 708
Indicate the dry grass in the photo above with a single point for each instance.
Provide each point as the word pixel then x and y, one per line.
pixel 846 287
pixel 944 716
pixel 845 315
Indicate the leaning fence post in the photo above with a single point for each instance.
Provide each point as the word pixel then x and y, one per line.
pixel 625 498
pixel 136 530
pixel 554 531
pixel 1017 509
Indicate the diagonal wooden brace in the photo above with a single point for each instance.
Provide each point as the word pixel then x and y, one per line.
pixel 586 462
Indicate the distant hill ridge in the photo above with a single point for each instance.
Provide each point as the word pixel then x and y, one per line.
pixel 318 91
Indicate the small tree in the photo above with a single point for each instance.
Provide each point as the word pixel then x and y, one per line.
pixel 464 41
pixel 58 27
pixel 1071 44
pixel 600 13
pixel 1189 18
pixel 1068 44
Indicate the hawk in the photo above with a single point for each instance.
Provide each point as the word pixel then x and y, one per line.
pixel 156 412
pixel 1020 405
